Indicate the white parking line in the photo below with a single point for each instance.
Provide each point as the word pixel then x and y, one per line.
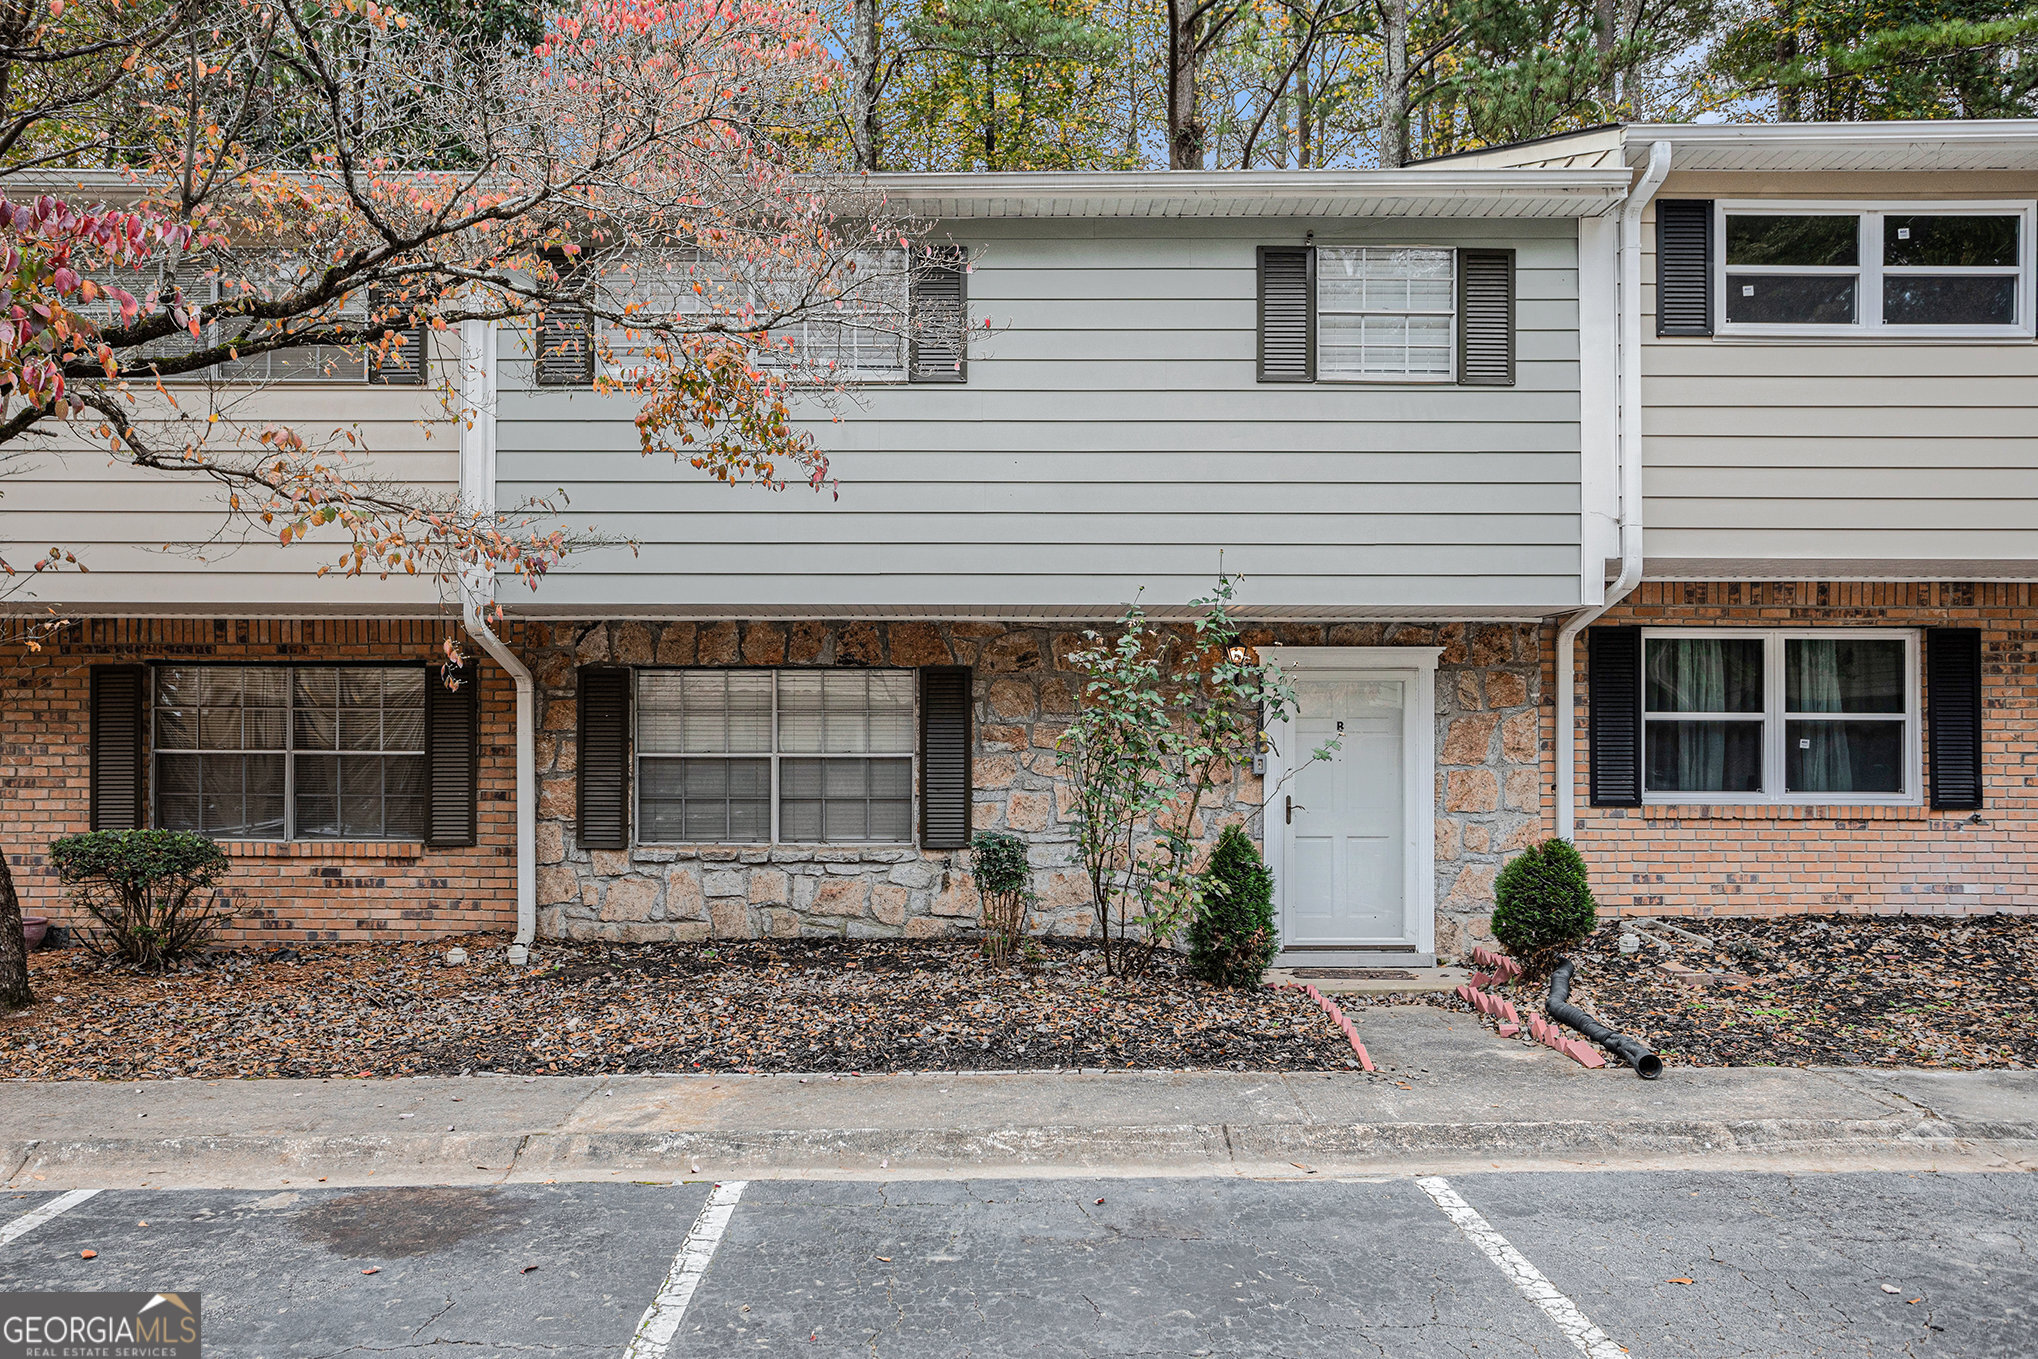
pixel 661 1319
pixel 35 1217
pixel 1527 1279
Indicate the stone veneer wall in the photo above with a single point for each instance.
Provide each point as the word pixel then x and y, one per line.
pixel 1488 787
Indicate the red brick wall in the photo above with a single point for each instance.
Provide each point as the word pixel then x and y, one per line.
pixel 1761 860
pixel 309 890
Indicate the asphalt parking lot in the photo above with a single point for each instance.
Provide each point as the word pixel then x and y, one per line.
pixel 1656 1264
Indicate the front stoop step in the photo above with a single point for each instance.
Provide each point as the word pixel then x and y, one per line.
pixel 1372 977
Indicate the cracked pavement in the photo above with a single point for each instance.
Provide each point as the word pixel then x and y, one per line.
pixel 1669 1263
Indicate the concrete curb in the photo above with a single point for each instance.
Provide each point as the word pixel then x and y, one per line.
pixel 1183 1148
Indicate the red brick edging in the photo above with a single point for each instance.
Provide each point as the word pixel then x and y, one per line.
pixel 1344 1025
pixel 1498 967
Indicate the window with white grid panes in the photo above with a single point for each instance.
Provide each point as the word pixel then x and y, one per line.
pixel 775 756
pixel 1386 313
pixel 277 752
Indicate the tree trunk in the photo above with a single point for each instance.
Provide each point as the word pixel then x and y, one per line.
pixel 14 992
pixel 1604 35
pixel 1394 87
pixel 1305 107
pixel 990 113
pixel 1131 89
pixel 1185 134
pixel 1789 108
pixel 863 60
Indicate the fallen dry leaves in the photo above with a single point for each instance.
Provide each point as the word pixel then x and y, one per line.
pixel 1834 990
pixel 796 1005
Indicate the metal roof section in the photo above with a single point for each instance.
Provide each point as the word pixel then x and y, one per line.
pixel 1318 194
pixel 2001 144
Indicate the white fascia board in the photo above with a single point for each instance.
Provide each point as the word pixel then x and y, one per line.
pixel 1291 193
pixel 2008 144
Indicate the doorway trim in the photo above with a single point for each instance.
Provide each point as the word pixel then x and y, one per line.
pixel 1418 664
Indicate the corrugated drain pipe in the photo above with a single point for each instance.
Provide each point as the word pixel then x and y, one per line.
pixel 477 593
pixel 1628 440
pixel 1633 1051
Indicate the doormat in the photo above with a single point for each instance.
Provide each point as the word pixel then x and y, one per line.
pixel 1353 973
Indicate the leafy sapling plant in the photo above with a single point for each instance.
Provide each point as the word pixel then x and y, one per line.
pixel 1542 904
pixel 1164 717
pixel 1232 940
pixel 1004 884
pixel 149 892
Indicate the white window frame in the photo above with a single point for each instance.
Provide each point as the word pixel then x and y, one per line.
pixel 773 756
pixel 1450 374
pixel 238 372
pixel 1775 720
pixel 626 349
pixel 1870 269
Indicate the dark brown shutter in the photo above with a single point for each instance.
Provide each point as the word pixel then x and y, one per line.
pixel 1613 660
pixel 1953 710
pixel 1684 266
pixel 945 740
pixel 400 365
pixel 1287 350
pixel 119 717
pixel 604 758
pixel 940 316
pixel 1486 318
pixel 452 755
pixel 565 349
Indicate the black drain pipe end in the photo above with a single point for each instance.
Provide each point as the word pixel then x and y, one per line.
pixel 1633 1051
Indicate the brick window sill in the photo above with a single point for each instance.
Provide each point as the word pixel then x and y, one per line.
pixel 324 849
pixel 1772 811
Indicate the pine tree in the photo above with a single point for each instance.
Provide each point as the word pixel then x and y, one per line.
pixel 1232 939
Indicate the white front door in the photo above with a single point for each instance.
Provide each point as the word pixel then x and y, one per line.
pixel 1348 836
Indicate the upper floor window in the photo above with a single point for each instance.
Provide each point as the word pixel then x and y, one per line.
pixel 1386 313
pixel 291 752
pixel 899 317
pixel 775 756
pixel 1812 716
pixel 269 275
pixel 1919 269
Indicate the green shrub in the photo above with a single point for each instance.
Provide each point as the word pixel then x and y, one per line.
pixel 1232 940
pixel 148 890
pixel 1542 902
pixel 1004 878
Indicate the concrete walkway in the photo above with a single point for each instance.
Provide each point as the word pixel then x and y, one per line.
pixel 1449 1096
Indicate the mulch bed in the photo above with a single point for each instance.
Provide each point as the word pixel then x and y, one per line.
pixel 1837 990
pixel 398 1010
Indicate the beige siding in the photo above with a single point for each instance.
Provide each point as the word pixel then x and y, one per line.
pixel 1111 440
pixel 164 543
pixel 1836 457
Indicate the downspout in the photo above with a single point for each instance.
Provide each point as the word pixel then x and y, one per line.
pixel 477 594
pixel 1628 443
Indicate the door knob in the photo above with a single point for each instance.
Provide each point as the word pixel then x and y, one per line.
pixel 1288 810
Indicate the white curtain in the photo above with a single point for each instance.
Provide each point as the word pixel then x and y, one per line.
pixel 1694 671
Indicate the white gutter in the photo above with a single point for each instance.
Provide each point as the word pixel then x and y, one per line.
pixel 1628 441
pixel 477 593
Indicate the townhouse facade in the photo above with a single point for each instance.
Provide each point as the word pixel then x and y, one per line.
pixel 1670 488
pixel 1832 622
